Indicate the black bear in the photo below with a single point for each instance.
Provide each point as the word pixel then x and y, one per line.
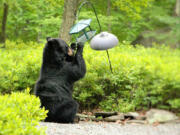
pixel 60 69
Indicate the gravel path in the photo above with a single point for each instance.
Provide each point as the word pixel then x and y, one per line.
pixel 89 128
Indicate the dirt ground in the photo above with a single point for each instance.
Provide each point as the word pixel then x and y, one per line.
pixel 104 128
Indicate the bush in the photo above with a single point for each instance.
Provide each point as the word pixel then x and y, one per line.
pixel 19 114
pixel 142 77
pixel 19 66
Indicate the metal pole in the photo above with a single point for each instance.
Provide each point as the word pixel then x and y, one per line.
pixel 109 61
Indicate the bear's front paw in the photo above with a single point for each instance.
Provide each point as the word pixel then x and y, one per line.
pixel 73 46
pixel 80 45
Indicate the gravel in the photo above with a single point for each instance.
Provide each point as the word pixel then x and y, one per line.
pixel 92 128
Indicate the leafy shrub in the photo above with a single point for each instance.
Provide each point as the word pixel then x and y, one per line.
pixel 19 114
pixel 142 77
pixel 19 66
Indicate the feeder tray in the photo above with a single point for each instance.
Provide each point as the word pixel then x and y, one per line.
pixel 85 37
pixel 81 27
pixel 103 41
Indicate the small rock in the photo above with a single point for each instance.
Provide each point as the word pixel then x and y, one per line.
pixel 174 121
pixel 141 118
pixel 131 115
pixel 114 118
pixel 136 121
pixel 99 119
pixel 83 117
pixel 157 115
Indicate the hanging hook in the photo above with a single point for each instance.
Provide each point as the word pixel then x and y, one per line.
pixel 79 10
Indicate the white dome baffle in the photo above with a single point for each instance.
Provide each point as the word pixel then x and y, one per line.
pixel 103 41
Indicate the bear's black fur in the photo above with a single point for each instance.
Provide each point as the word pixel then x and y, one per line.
pixel 59 71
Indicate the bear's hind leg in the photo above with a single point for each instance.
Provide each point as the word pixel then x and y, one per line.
pixel 67 112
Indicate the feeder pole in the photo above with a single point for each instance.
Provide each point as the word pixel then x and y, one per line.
pixel 109 61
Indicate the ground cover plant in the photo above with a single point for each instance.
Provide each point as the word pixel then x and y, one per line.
pixel 20 114
pixel 142 77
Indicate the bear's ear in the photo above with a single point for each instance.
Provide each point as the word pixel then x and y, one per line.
pixel 48 39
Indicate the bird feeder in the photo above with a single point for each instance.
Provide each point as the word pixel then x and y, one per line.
pixel 81 27
pixel 102 41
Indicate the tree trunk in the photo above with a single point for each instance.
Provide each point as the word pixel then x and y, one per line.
pixel 177 8
pixel 69 16
pixel 108 14
pixel 4 21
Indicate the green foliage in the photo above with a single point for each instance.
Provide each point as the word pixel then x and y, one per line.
pixel 20 114
pixel 163 25
pixel 142 77
pixel 175 103
pixel 19 66
pixel 133 8
pixel 33 19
